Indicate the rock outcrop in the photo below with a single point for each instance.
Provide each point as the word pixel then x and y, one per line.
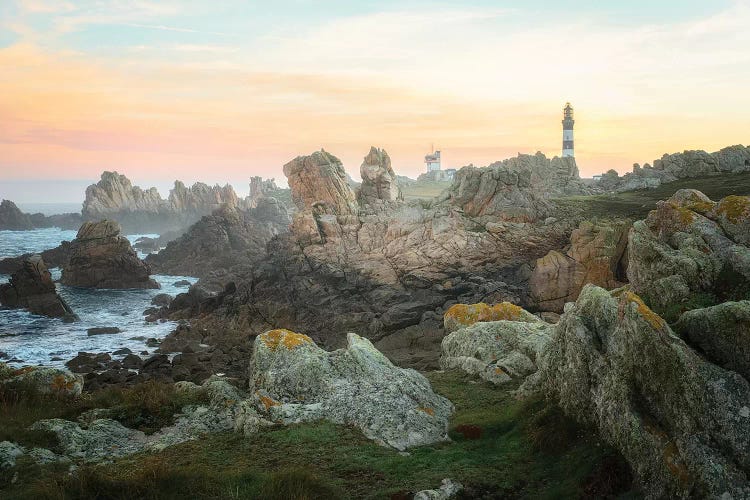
pixel 671 167
pixel 31 287
pixel 379 183
pixel 497 351
pixel 597 254
pixel 12 218
pixel 319 185
pixel 297 381
pixel 460 316
pixel 43 380
pixel 691 247
pixel 516 189
pixel 223 245
pixel 138 210
pixel 102 258
pixel 721 333
pixel 679 420
pixel 54 257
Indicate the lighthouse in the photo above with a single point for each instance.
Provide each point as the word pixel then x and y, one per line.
pixel 567 123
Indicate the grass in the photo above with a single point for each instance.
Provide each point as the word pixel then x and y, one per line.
pixel 636 204
pixel 424 190
pixel 147 407
pixel 511 458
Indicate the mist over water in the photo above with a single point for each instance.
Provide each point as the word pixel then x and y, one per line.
pixel 37 339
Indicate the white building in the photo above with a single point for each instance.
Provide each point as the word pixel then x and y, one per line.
pixel 432 161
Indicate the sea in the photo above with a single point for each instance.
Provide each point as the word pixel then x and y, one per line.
pixel 27 339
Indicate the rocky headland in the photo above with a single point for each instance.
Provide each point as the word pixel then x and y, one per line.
pixel 13 219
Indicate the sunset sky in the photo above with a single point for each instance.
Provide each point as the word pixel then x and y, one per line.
pixel 222 90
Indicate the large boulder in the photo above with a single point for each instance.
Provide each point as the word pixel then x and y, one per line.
pixel 318 183
pixel 462 315
pixel 102 258
pixel 689 246
pixel 298 381
pixel 45 380
pixel 31 288
pixel 721 333
pixel 379 182
pixel 679 420
pixel 497 351
pixel 596 254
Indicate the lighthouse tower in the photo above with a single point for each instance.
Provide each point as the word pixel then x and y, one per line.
pixel 567 149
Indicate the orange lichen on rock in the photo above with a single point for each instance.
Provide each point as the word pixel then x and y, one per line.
pixel 286 338
pixel 268 402
pixel 734 208
pixel 428 411
pixel 653 319
pixel 468 314
pixel 61 383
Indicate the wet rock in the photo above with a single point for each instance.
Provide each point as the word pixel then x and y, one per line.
pixel 157 367
pixel 120 352
pixel 162 300
pixel 132 362
pixel 182 283
pixel 297 381
pixel 102 258
pixel 31 287
pixel 103 330
pixel 86 362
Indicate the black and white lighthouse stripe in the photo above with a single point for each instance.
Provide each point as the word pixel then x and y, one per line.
pixel 567 149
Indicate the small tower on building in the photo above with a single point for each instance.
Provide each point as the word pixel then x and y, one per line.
pixel 567 123
pixel 432 161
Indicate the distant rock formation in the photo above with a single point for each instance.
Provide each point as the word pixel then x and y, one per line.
pixel 12 218
pixel 516 189
pixel 230 240
pixel 379 183
pixel 102 258
pixel 31 288
pixel 54 257
pixel 671 167
pixel 597 254
pixel 115 198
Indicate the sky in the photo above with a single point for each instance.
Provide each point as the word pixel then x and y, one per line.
pixel 222 90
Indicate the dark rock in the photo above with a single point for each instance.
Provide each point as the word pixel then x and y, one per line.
pixel 162 300
pixel 132 361
pixel 102 258
pixel 86 362
pixel 103 330
pixel 152 342
pixel 31 288
pixel 120 352
pixel 12 218
pixel 182 283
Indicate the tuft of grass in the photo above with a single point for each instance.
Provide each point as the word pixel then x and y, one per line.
pixel 298 484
